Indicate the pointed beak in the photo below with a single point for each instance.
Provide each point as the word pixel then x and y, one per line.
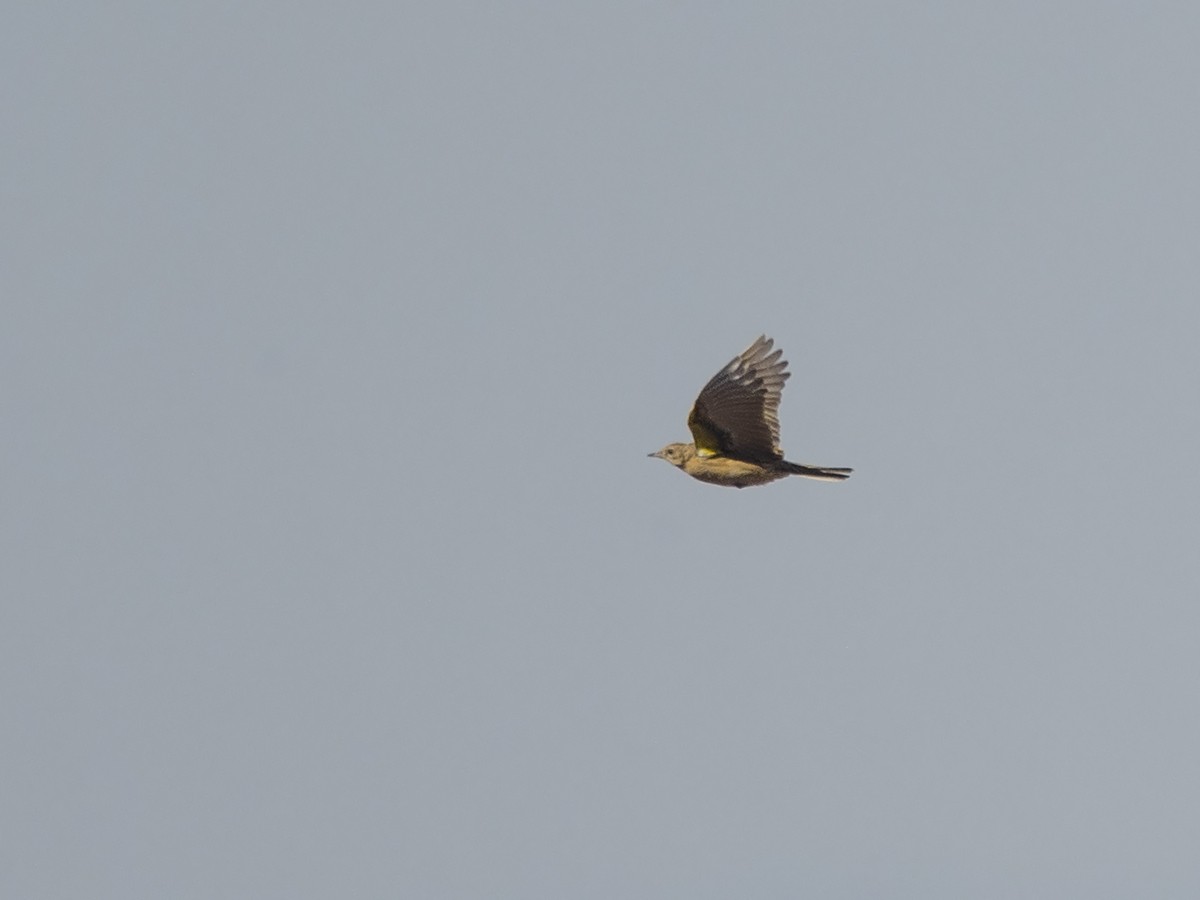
pixel 657 453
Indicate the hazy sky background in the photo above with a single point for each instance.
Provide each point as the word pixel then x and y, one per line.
pixel 334 341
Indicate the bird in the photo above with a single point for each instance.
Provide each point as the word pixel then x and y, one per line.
pixel 735 426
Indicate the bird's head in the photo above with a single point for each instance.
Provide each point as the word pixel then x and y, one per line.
pixel 675 454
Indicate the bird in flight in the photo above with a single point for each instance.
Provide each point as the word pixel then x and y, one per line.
pixel 735 426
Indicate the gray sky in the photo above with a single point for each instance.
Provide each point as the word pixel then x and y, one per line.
pixel 334 342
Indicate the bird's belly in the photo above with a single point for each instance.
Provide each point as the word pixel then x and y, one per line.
pixel 730 472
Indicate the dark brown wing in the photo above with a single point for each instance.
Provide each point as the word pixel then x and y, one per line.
pixel 737 413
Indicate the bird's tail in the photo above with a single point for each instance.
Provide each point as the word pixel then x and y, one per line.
pixel 821 473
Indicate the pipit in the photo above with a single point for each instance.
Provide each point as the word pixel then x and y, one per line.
pixel 735 426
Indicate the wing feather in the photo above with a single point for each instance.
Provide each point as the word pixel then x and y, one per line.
pixel 737 413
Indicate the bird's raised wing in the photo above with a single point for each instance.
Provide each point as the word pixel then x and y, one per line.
pixel 737 413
